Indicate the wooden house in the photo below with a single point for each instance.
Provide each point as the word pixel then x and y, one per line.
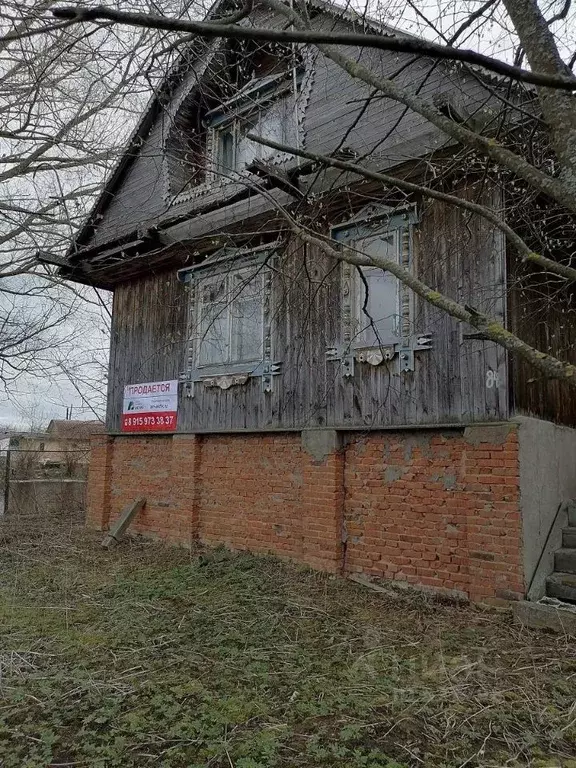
pixel 298 404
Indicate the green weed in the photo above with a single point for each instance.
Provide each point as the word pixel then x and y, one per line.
pixel 156 656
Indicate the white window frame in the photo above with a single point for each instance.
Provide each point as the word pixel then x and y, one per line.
pixel 374 221
pixel 253 101
pixel 235 126
pixel 227 264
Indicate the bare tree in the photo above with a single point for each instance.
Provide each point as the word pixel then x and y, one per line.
pixel 525 145
pixel 69 98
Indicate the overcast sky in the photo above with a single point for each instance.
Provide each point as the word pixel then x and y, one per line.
pixel 32 402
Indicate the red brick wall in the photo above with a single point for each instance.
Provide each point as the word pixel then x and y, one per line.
pixel 432 508
pixel 142 466
pixel 250 493
pixel 98 482
pixel 436 510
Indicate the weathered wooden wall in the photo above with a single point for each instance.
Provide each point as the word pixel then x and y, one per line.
pixel 146 340
pixel 453 253
pixel 332 108
pixel 463 259
pixel 542 311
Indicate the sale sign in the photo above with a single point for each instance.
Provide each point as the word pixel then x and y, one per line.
pixel 150 407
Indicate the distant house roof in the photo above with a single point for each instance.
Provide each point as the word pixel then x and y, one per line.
pixel 74 430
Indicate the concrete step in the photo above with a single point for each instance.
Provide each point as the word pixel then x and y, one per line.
pixel 569 538
pixel 560 617
pixel 571 511
pixel 562 586
pixel 565 560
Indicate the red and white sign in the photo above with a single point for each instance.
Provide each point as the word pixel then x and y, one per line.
pixel 150 407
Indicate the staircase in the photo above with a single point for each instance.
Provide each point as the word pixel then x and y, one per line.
pixel 562 583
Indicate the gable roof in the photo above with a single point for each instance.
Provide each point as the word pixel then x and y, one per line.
pixel 155 105
pixel 130 153
pixel 132 215
pixel 71 429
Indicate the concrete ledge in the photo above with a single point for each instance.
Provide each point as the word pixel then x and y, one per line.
pixel 396 587
pixel 321 443
pixel 496 434
pixel 545 616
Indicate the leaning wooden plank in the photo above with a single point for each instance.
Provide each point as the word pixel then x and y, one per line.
pixel 114 535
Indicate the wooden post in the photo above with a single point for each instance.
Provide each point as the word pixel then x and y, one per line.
pixel 129 513
pixel 7 481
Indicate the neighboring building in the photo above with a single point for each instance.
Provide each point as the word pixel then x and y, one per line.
pixel 71 436
pixel 4 442
pixel 395 447
pixel 45 472
pixel 64 449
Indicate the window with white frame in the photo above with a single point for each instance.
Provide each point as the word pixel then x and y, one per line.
pixel 227 311
pixel 234 151
pixel 376 307
pixel 230 319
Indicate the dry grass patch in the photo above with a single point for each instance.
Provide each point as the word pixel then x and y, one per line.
pixel 155 656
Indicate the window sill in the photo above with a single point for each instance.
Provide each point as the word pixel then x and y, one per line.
pixel 228 376
pixel 374 355
pixel 225 381
pixel 250 368
pixel 403 347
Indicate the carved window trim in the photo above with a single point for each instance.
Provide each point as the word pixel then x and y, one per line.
pixel 230 262
pixel 257 97
pixel 173 108
pixel 213 180
pixel 373 221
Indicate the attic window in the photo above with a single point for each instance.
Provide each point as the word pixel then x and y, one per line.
pixel 234 151
pixel 264 107
pixel 249 86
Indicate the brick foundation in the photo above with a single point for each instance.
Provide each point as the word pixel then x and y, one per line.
pixel 436 508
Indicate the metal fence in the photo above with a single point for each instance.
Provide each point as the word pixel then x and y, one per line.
pixel 38 480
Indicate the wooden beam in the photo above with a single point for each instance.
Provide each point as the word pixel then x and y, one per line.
pixel 115 534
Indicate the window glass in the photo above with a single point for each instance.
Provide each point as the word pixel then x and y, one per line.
pixel 214 345
pixel 226 149
pixel 230 318
pixel 276 123
pixel 246 151
pixel 246 319
pixel 377 312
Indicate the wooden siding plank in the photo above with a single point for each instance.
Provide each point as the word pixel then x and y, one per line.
pixel 455 254
pixel 148 329
pixel 333 105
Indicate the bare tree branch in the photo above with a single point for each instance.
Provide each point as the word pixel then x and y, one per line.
pixel 488 146
pixel 401 45
pixel 490 327
pixel 526 253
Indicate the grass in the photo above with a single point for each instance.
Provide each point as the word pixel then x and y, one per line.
pixel 156 656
